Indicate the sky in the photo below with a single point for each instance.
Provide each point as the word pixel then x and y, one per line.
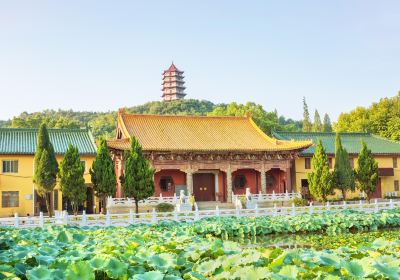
pixel 102 55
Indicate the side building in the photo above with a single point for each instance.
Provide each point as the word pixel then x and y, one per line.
pixel 17 152
pixel 385 152
pixel 211 157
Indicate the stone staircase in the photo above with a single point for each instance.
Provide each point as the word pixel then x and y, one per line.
pixel 210 205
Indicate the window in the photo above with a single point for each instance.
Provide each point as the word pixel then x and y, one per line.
pixel 330 163
pixel 10 166
pixel 395 162
pixel 351 161
pixel 307 163
pixel 239 182
pixel 270 181
pixel 84 165
pixel 10 199
pixel 396 185
pixel 166 183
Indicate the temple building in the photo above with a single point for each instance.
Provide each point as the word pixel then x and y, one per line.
pixel 209 157
pixel 386 152
pixel 173 84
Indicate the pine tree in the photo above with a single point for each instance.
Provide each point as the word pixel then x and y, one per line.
pixel 306 117
pixel 317 126
pixel 137 180
pixel 343 175
pixel 46 167
pixel 72 183
pixel 327 126
pixel 367 171
pixel 320 179
pixel 102 174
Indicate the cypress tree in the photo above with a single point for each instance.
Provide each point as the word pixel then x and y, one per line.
pixel 367 171
pixel 46 167
pixel 72 183
pixel 320 179
pixel 102 174
pixel 137 180
pixel 327 126
pixel 306 117
pixel 317 126
pixel 343 175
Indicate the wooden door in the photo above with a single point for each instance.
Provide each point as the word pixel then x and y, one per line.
pixel 204 187
pixel 378 192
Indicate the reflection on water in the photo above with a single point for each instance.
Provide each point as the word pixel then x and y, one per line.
pixel 316 241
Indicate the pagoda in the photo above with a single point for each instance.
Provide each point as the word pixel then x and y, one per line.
pixel 173 84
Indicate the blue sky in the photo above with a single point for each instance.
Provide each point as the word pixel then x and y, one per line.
pixel 102 55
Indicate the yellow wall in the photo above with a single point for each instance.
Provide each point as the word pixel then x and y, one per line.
pixel 22 182
pixel 387 182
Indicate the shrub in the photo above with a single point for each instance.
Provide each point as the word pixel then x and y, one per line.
pixel 298 201
pixel 165 207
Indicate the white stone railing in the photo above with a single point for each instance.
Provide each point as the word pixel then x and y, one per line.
pixel 190 216
pixel 263 197
pixel 130 202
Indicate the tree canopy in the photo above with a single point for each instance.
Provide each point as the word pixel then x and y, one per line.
pixel 367 171
pixel 307 126
pixel 45 167
pixel 382 118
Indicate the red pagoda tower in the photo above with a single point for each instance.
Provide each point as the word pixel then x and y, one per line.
pixel 173 84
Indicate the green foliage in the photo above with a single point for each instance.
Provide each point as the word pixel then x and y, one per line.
pixel 45 167
pixel 307 126
pixel 317 125
pixel 367 171
pixel 343 174
pixel 192 250
pixel 72 183
pixel 137 180
pixel 102 173
pixel 164 207
pixel 327 126
pixel 382 118
pixel 320 180
pixel 298 201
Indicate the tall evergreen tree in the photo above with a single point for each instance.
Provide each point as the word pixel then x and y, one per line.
pixel 137 180
pixel 320 179
pixel 307 127
pixel 72 183
pixel 367 171
pixel 103 174
pixel 327 126
pixel 46 168
pixel 317 126
pixel 343 175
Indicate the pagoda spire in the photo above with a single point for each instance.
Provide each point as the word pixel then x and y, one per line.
pixel 173 84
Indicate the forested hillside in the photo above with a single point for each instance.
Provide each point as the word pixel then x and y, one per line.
pixel 381 118
pixel 102 124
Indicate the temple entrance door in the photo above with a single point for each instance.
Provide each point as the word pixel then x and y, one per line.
pixel 204 186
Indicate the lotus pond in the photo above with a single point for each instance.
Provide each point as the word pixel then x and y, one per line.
pixel 348 245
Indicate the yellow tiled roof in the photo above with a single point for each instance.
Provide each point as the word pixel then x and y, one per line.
pixel 195 133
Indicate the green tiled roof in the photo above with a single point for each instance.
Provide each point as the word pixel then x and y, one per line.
pixel 351 141
pixel 23 140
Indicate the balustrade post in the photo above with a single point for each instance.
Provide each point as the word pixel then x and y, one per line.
pixel 84 218
pixel 287 195
pixel 311 209
pixel 344 204
pixel 161 198
pixel 293 210
pixel 196 212
pixel 328 206
pixel 65 217
pixel 376 205
pixel 391 203
pixel 256 210
pixel 174 199
pixel 108 219
pixel 16 220
pixel 131 216
pixel 273 195
pixel 275 210
pixel 41 219
pixel 360 202
pixel 154 216
pixel 237 212
pixel 217 211
pixel 175 215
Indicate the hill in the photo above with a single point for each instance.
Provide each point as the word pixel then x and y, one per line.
pixel 103 124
